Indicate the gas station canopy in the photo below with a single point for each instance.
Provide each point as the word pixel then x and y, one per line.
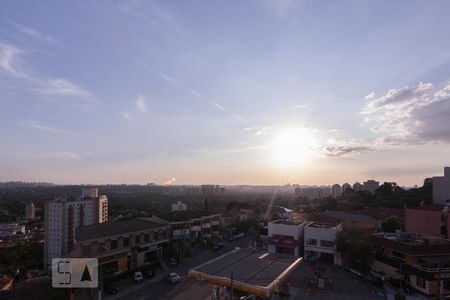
pixel 256 273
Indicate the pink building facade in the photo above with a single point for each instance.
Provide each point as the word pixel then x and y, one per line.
pixel 431 220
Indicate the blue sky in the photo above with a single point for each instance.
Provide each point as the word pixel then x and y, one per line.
pixel 203 91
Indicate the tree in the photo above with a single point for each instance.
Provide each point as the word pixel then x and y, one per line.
pixel 391 224
pixel 357 250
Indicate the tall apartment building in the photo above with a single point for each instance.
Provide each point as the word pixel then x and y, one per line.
pixel 336 190
pixel 441 188
pixel 371 186
pixel 30 210
pixel 63 216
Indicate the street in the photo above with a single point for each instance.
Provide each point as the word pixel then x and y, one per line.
pixel 158 288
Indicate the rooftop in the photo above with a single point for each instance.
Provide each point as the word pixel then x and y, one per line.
pixel 257 273
pixel 293 221
pixel 186 215
pixel 322 225
pixel 430 207
pixel 348 217
pixel 381 213
pixel 112 228
pixel 412 243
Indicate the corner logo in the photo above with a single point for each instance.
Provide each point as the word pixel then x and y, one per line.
pixel 75 272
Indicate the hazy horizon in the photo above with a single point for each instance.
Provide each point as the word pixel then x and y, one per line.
pixel 237 92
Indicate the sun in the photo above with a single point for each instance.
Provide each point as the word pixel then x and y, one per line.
pixel 293 147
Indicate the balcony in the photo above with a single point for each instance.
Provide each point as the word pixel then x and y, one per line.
pixel 206 225
pixel 215 222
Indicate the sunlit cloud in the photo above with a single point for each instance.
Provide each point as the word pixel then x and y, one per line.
pixel 169 181
pixel 125 115
pixel 141 105
pixel 10 61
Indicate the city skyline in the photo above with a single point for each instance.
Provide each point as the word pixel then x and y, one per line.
pixel 269 92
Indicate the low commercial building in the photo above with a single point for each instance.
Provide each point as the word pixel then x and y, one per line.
pixel 320 242
pixel 431 220
pixel 122 245
pixel 419 260
pixel 12 229
pixel 192 225
pixel 285 236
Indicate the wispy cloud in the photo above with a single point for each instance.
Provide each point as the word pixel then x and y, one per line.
pixel 192 91
pixel 64 155
pixel 340 151
pixel 167 78
pixel 282 8
pixel 141 105
pixel 62 87
pixel 10 61
pixel 125 115
pixel 236 116
pixel 33 33
pixel 299 106
pixel 42 127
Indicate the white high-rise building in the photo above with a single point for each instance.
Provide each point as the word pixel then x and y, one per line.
pixel 441 188
pixel 336 190
pixel 30 210
pixel 63 216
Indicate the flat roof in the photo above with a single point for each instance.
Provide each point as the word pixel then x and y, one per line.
pixel 257 273
pixel 116 227
pixel 293 221
pixel 345 216
pixel 322 225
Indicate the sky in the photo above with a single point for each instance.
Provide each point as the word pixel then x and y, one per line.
pixel 224 92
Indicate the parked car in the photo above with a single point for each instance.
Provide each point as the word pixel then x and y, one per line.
pixel 173 277
pixel 149 274
pixel 138 277
pixel 217 247
pixel 110 289
pixel 172 262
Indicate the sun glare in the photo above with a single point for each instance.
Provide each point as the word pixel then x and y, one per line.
pixel 293 148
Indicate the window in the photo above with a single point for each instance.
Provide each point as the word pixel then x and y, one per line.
pixel 420 282
pixel 114 244
pixel 398 255
pixel 126 242
pixel 146 237
pixel 311 242
pixel 137 239
pixel 329 244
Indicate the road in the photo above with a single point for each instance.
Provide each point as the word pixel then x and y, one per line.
pixel 186 289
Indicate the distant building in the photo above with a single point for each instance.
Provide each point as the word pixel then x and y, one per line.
pixel 420 260
pixel 370 186
pixel 30 210
pixel 122 245
pixel 352 221
pixel 433 220
pixel 286 236
pixel 179 206
pixel 441 188
pixel 320 242
pixel 336 190
pixel 357 187
pixel 63 216
pixel 12 229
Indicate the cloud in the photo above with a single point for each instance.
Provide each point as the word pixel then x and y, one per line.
pixel 125 115
pixel 167 78
pixel 65 155
pixel 411 115
pixel 42 127
pixel 370 96
pixel 62 87
pixel 9 60
pixel 192 91
pixel 264 130
pixel 299 106
pixel 282 8
pixel 169 181
pixel 33 33
pixel 220 107
pixel 338 151
pixel 141 105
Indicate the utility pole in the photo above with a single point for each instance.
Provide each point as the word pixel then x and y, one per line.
pixel 231 282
